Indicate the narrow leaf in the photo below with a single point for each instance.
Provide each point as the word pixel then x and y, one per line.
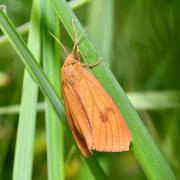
pixel 27 117
pixel 51 63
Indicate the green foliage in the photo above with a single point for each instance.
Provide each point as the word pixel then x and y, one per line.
pixel 138 41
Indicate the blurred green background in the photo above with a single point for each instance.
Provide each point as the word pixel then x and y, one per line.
pixel 142 48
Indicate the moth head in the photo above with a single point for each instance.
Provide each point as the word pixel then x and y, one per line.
pixel 69 59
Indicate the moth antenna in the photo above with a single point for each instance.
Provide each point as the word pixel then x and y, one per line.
pixel 65 50
pixel 81 37
pixel 75 36
pixel 76 39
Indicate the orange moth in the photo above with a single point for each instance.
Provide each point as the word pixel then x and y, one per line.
pixel 95 121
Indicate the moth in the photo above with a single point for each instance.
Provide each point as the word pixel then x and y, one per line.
pixel 95 121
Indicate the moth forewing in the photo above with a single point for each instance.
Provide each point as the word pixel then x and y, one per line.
pixel 77 133
pixel 95 121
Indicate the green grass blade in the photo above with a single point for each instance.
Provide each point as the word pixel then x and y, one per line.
pixel 21 29
pixel 15 109
pixel 153 100
pixel 151 159
pixel 101 17
pixel 41 79
pixel 51 63
pixel 77 4
pixel 27 117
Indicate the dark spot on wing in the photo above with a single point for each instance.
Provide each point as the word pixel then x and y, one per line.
pixel 103 117
pixel 108 110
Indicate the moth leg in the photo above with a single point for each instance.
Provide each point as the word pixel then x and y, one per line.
pixel 93 65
